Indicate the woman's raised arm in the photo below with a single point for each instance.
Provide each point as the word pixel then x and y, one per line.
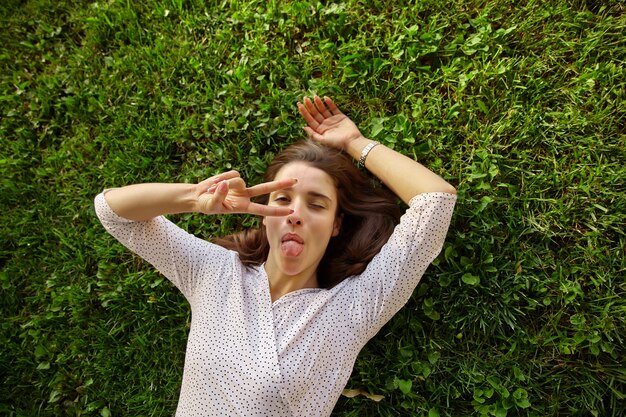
pixel 404 176
pixel 225 193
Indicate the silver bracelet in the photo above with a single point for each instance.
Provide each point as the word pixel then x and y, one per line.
pixel 366 151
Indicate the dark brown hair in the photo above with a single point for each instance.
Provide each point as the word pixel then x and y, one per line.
pixel 369 215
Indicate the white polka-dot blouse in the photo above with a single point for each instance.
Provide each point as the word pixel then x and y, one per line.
pixel 249 356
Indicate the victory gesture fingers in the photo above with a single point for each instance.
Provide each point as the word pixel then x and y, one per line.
pixel 227 193
pixel 326 123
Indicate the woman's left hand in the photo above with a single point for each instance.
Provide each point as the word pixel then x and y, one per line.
pixel 327 124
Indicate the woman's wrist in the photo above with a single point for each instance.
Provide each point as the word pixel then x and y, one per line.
pixel 360 148
pixel 365 152
pixel 188 198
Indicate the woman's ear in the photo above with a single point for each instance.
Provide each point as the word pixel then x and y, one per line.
pixel 337 225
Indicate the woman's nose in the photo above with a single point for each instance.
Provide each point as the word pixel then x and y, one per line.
pixel 295 218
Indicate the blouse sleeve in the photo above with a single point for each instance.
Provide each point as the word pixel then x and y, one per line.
pixel 390 278
pixel 179 256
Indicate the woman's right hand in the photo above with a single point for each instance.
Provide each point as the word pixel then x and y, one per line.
pixel 227 193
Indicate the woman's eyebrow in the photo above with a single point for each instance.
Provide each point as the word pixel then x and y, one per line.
pixel 319 195
pixel 315 194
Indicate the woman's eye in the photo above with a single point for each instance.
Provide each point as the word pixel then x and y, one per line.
pixel 281 199
pixel 317 206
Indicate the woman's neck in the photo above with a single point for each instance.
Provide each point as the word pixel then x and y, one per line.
pixel 281 283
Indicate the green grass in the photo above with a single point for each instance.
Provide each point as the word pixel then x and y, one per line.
pixel 520 105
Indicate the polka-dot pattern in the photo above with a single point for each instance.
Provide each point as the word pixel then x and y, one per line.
pixel 247 356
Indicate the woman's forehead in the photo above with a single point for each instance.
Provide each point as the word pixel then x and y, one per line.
pixel 309 178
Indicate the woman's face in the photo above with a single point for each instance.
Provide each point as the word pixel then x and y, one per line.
pixel 298 241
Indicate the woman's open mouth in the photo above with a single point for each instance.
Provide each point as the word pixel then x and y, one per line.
pixel 291 244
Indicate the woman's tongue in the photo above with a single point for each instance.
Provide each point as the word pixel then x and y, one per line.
pixel 291 248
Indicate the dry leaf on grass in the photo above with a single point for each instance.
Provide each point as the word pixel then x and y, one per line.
pixel 351 393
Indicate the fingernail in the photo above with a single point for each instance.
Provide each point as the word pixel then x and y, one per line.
pixel 291 211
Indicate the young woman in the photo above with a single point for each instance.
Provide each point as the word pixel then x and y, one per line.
pixel 280 313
